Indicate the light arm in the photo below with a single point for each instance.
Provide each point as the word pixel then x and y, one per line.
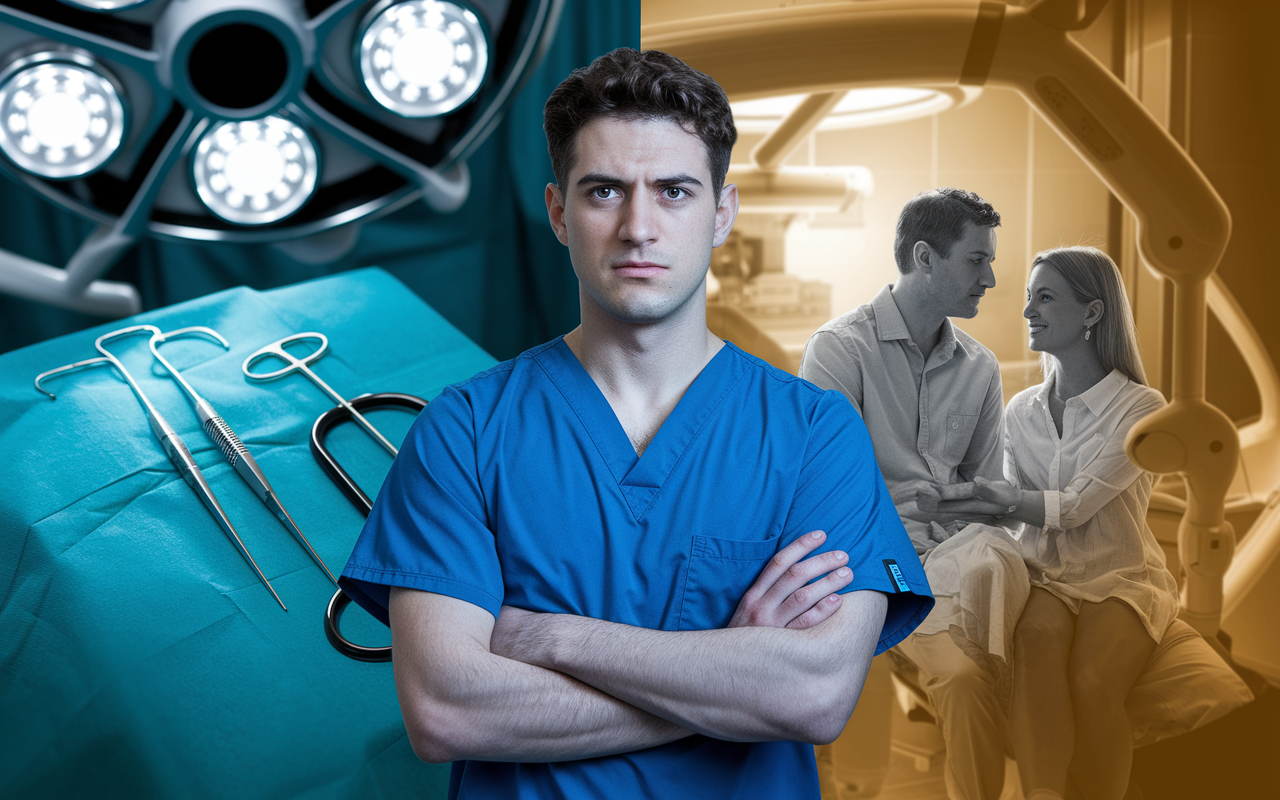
pixel 740 684
pixel 460 700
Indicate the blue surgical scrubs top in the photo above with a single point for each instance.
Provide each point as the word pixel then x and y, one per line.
pixel 520 487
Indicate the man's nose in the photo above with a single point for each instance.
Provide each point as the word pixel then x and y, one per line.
pixel 988 278
pixel 637 220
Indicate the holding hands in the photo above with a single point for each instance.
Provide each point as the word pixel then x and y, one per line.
pixel 980 496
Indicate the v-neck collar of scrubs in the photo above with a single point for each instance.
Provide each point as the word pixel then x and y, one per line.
pixel 641 477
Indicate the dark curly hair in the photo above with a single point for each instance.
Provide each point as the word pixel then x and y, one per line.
pixel 629 84
pixel 937 218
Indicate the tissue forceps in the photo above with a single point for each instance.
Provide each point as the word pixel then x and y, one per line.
pixel 233 450
pixel 177 451
pixel 295 364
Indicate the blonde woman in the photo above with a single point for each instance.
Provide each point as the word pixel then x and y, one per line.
pixel 1101 597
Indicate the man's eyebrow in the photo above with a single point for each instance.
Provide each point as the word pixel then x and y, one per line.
pixel 677 179
pixel 672 180
pixel 597 177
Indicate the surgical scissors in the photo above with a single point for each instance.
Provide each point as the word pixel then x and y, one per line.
pixel 295 364
pixel 174 447
pixel 233 450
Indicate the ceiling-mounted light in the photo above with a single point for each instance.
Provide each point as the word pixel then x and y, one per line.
pixel 422 58
pixel 255 172
pixel 106 5
pixel 60 115
pixel 859 107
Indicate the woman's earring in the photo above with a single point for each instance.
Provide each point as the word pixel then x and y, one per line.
pixel 1086 334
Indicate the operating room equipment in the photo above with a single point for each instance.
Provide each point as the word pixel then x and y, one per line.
pixel 174 139
pixel 345 410
pixel 233 450
pixel 295 364
pixel 324 423
pixel 173 445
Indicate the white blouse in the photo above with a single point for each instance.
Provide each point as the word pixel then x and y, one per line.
pixel 1095 542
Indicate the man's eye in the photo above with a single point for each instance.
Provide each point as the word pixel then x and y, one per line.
pixel 673 192
pixel 604 192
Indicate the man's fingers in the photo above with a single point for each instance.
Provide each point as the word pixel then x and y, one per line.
pixel 805 598
pixel 956 491
pixel 785 559
pixel 798 577
pixel 823 609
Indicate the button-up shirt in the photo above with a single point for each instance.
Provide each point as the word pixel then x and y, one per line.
pixel 1095 542
pixel 934 418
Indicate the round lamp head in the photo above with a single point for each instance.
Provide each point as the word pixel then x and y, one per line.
pixel 59 119
pixel 422 58
pixel 255 172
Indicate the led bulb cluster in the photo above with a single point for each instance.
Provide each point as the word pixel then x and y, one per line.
pixel 59 119
pixel 422 58
pixel 255 172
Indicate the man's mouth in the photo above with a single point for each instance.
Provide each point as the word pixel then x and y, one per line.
pixel 639 269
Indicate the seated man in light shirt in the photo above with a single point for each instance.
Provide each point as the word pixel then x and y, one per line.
pixel 930 395
pixel 587 554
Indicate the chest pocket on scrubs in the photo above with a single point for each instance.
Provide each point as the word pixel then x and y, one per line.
pixel 720 572
pixel 959 433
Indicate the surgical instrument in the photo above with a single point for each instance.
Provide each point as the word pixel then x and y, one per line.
pixel 233 450
pixel 175 449
pixel 324 423
pixel 301 364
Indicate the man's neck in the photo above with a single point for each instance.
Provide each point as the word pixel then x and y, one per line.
pixel 924 323
pixel 643 369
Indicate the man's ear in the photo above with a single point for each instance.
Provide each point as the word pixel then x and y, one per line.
pixel 726 213
pixel 922 256
pixel 555 213
pixel 1093 312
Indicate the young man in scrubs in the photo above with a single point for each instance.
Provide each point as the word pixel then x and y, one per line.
pixel 931 395
pixel 588 554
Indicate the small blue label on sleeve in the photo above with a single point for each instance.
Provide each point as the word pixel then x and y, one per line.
pixel 895 575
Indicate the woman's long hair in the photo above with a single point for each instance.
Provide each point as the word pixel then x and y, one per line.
pixel 1092 275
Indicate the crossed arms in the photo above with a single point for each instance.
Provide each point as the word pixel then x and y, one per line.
pixel 555 687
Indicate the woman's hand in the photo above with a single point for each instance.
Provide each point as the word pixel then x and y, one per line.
pixel 979 497
pixel 1003 495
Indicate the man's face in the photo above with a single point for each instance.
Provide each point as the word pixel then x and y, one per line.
pixel 640 217
pixel 960 279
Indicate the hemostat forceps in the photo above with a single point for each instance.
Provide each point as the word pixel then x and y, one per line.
pixel 295 364
pixel 177 451
pixel 233 450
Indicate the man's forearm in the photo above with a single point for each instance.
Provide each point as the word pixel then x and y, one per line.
pixel 460 701
pixel 742 684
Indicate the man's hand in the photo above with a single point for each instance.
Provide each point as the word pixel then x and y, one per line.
pixel 981 496
pixel 783 597
pixel 929 496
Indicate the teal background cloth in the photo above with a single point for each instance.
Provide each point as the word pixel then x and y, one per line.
pixel 493 268
pixel 139 654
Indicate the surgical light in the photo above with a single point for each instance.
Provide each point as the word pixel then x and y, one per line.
pixel 58 118
pixel 859 107
pixel 106 5
pixel 255 172
pixel 422 58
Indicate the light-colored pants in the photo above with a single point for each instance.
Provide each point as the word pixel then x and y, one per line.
pixel 974 726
